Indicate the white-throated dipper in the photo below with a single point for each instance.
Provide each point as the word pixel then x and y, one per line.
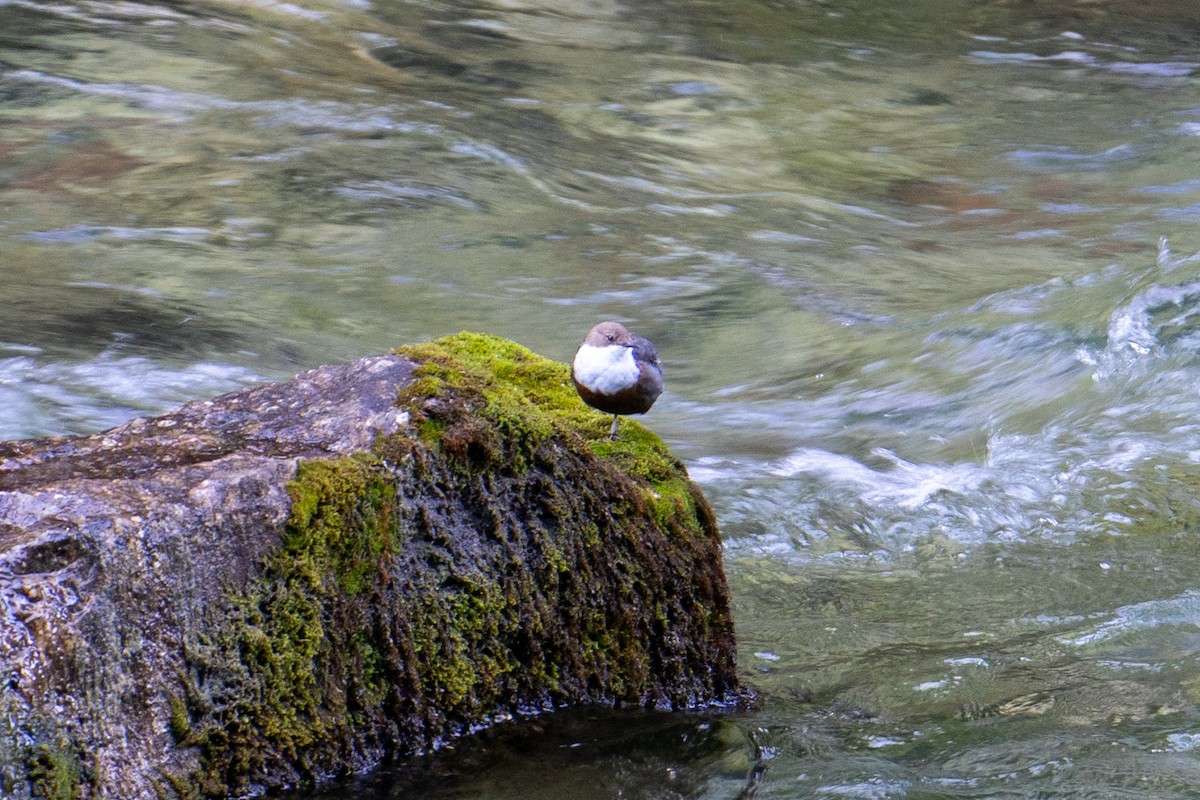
pixel 617 372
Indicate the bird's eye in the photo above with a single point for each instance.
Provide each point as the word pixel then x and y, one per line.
pixel 609 336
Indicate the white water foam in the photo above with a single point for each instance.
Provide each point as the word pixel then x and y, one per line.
pixel 39 399
pixel 1090 467
pixel 1180 611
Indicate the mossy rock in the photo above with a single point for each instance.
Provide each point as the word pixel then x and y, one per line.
pixel 499 555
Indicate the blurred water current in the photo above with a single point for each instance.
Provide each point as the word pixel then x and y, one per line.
pixel 919 272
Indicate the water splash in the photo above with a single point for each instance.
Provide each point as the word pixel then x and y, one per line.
pixel 38 398
pixel 1152 324
pixel 1183 610
pixel 1108 428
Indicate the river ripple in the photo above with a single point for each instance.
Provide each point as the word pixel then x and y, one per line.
pixel 919 272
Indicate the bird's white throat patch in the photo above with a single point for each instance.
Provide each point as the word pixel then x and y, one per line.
pixel 606 370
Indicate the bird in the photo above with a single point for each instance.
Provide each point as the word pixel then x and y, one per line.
pixel 617 372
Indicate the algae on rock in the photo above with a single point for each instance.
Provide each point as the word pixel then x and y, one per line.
pixel 476 549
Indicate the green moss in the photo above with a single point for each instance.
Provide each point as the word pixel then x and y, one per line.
pixel 374 678
pixel 180 722
pixel 457 628
pixel 342 520
pixel 527 399
pixel 54 773
pixel 174 787
pixel 261 690
pixel 460 381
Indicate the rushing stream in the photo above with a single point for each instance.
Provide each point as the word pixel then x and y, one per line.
pixel 919 271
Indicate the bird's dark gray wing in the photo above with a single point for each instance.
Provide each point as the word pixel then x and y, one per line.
pixel 644 351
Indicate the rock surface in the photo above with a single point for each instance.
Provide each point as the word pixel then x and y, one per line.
pixel 297 580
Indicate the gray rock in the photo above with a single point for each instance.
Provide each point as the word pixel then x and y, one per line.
pixel 296 580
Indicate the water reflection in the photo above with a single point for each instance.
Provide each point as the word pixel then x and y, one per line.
pixel 926 350
pixel 581 754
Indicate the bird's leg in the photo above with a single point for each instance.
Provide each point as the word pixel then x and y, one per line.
pixel 613 433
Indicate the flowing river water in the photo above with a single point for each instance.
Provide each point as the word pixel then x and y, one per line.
pixel 920 272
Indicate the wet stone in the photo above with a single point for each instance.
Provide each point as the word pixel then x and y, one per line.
pixel 299 580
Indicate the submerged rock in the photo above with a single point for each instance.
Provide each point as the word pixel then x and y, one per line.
pixel 297 580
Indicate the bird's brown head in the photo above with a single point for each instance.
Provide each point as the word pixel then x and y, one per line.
pixel 607 333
